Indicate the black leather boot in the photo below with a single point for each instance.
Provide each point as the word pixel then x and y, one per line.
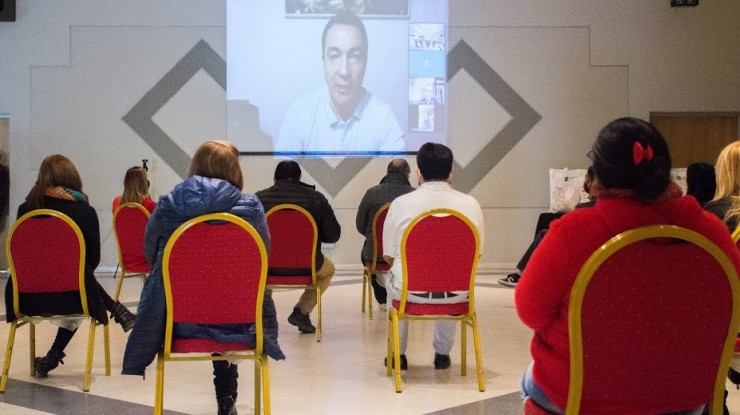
pixel 123 316
pixel 225 377
pixel 46 364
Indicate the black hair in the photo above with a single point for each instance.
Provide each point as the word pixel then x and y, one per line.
pixel 434 161
pixel 399 166
pixel 701 181
pixel 288 169
pixel 349 19
pixel 630 153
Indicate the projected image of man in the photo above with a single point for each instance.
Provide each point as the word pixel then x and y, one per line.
pixel 341 116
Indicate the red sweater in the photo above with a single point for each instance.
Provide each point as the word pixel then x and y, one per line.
pixel 543 292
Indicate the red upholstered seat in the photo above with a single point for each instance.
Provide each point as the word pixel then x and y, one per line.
pixel 129 223
pixel 46 254
pixel 641 334
pixel 214 271
pixel 434 264
pixel 377 263
pixel 293 242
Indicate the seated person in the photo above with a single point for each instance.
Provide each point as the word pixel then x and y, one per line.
pixel 542 226
pixel 135 189
pixel 701 182
pixel 632 182
pixel 726 202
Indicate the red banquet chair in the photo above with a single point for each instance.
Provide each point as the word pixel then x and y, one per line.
pixel 292 260
pixel 636 333
pixel 434 264
pixel 214 269
pixel 46 254
pixel 377 263
pixel 129 223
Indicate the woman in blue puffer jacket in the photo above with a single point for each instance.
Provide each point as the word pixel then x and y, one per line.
pixel 214 185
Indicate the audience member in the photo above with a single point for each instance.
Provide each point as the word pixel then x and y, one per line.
pixel 701 182
pixel 59 187
pixel 512 279
pixel 341 115
pixel 434 174
pixel 632 183
pixel 726 201
pixel 288 188
pixel 4 187
pixel 394 184
pixel 135 189
pixel 213 185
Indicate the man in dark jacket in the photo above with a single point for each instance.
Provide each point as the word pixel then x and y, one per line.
pixel 394 184
pixel 288 188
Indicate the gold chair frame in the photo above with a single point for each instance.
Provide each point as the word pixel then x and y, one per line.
pixel 261 363
pixel 468 319
pixel 314 285
pixel 602 254
pixel 368 272
pixel 124 274
pixel 32 321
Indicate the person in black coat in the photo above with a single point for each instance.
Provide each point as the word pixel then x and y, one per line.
pixel 59 187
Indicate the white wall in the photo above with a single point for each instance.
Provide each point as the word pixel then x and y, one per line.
pixel 70 70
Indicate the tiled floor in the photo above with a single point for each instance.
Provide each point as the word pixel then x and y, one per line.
pixel 343 373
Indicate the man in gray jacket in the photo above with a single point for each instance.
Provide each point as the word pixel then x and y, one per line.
pixel 394 184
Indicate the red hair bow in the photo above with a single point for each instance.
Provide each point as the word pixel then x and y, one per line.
pixel 640 153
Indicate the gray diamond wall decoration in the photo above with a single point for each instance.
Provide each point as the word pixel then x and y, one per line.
pixel 334 179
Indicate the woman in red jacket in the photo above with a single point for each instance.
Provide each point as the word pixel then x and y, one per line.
pixel 633 188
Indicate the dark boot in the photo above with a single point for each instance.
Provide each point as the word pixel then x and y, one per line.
pixel 123 316
pixel 381 295
pixel 46 364
pixel 225 377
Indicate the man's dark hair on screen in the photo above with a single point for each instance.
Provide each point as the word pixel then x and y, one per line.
pixel 349 19
pixel 434 161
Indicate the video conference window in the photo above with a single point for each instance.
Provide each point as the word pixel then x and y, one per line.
pixel 336 77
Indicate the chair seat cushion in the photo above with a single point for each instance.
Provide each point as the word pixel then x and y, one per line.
pixel 531 408
pixel 289 280
pixel 418 309
pixel 206 346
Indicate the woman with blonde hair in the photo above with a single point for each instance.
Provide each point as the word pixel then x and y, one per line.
pixel 214 185
pixel 726 202
pixel 59 187
pixel 135 189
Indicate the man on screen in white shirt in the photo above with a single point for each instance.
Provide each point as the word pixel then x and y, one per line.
pixel 341 115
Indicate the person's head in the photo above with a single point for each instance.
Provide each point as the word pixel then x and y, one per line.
pixel 217 159
pixel 135 185
pixel 399 166
pixel 344 53
pixel 727 171
pixel 287 170
pixel 429 93
pixel 701 182
pixel 631 157
pixel 434 162
pixel 56 170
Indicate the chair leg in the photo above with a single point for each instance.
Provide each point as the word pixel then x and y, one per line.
pixel 257 384
pixel 159 386
pixel 364 289
pixel 119 285
pixel 478 357
pixel 396 352
pixel 106 344
pixel 88 364
pixel 32 346
pixel 265 384
pixel 318 318
pixel 389 345
pixel 8 355
pixel 464 347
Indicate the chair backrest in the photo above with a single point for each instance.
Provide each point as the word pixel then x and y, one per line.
pixel 46 253
pixel 642 329
pixel 736 236
pixel 293 240
pixel 378 222
pixel 129 223
pixel 214 268
pixel 439 252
